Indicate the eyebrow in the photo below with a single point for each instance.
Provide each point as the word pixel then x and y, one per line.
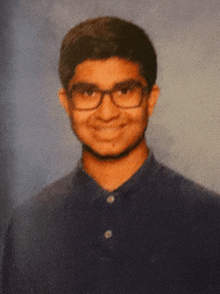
pixel 95 86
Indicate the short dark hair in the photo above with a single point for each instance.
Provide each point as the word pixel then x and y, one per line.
pixel 105 37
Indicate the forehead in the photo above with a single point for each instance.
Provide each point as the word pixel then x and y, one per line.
pixel 106 73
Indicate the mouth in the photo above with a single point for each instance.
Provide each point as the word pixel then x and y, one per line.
pixel 108 132
pixel 106 129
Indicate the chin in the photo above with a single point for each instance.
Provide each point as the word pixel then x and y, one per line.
pixel 113 155
pixel 105 155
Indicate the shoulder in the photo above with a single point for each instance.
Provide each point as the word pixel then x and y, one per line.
pixel 179 188
pixel 174 179
pixel 51 198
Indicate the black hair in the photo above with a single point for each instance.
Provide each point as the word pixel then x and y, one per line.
pixel 105 37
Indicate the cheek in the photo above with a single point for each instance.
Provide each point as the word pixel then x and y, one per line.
pixel 79 118
pixel 76 123
pixel 141 117
pixel 79 125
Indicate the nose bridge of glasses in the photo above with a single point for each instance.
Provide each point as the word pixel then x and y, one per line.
pixel 103 94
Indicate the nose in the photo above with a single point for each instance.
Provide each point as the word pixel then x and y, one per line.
pixel 107 110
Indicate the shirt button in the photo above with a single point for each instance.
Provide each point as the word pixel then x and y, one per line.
pixel 110 199
pixel 108 234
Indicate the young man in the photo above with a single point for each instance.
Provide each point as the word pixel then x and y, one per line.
pixel 120 222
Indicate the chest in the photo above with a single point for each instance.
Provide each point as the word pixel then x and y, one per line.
pixel 120 245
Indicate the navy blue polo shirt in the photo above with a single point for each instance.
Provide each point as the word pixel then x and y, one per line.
pixel 157 233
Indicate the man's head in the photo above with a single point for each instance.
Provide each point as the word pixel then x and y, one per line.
pixel 105 37
pixel 108 70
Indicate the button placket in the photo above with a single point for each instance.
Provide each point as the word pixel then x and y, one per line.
pixel 110 199
pixel 108 234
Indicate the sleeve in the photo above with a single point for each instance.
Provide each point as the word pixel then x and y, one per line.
pixel 215 274
pixel 9 268
pixel 17 273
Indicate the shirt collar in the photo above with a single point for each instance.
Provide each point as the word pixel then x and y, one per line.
pixel 85 181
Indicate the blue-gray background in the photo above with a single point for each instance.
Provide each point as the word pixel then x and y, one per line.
pixel 37 145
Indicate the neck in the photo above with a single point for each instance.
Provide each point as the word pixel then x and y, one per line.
pixel 112 173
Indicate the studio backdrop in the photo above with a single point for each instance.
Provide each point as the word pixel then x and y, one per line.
pixel 37 144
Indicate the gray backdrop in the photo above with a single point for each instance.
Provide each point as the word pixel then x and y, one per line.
pixel 184 132
pixel 37 145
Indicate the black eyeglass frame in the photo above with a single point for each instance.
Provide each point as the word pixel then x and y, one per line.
pixel 138 84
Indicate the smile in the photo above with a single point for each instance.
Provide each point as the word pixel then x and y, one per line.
pixel 108 133
pixel 106 129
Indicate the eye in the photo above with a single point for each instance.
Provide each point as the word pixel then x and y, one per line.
pixel 125 90
pixel 87 92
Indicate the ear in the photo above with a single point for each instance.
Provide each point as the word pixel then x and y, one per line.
pixel 64 100
pixel 152 100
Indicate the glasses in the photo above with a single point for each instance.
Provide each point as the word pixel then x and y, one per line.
pixel 128 94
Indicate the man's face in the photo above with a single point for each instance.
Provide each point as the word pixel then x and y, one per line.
pixel 109 130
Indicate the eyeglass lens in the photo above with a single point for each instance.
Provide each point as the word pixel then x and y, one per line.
pixel 127 94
